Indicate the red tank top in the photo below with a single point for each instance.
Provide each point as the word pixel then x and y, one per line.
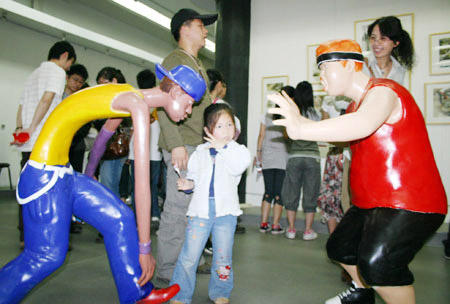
pixel 394 167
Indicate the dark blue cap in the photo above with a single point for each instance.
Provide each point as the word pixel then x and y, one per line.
pixel 186 77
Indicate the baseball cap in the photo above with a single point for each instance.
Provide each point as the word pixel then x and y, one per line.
pixel 186 77
pixel 187 14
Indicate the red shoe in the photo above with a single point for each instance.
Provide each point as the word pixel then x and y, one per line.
pixel 160 295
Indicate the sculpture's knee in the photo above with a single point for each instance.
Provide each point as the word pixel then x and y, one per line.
pixel 48 260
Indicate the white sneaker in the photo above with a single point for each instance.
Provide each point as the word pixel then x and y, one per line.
pixel 290 234
pixel 309 235
pixel 354 295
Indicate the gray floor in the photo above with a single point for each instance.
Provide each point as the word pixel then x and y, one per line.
pixel 268 268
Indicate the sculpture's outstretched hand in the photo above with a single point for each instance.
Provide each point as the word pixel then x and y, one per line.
pixel 292 120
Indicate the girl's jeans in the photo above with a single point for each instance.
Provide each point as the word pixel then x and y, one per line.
pixel 197 232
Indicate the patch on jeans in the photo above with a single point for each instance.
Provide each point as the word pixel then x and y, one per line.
pixel 224 272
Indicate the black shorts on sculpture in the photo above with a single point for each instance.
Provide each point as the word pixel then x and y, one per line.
pixel 382 242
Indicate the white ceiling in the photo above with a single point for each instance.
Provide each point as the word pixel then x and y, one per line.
pixel 117 12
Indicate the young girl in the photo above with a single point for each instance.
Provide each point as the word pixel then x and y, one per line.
pixel 214 172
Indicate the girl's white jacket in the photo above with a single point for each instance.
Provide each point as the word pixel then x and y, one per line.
pixel 231 162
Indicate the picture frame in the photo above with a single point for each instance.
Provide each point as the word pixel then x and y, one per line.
pixel 437 103
pixel 270 85
pixel 439 53
pixel 313 74
pixel 361 37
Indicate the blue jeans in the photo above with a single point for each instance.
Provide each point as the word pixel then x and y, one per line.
pixel 197 232
pixel 110 173
pixel 155 172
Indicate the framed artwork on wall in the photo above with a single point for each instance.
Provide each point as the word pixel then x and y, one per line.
pixel 313 70
pixel 270 85
pixel 437 103
pixel 361 37
pixel 440 53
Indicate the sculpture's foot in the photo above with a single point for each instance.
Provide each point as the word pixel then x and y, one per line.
pixel 160 295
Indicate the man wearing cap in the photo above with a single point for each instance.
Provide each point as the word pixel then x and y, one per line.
pixel 398 196
pixel 178 140
pixel 51 191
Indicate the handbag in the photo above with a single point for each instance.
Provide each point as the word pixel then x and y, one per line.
pixel 118 146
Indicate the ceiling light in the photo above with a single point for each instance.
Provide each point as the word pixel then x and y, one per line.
pixel 155 16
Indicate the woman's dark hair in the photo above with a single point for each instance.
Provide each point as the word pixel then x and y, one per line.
pixel 304 98
pixel 289 90
pixel 214 77
pixel 109 73
pixel 213 112
pixel 119 76
pixel 391 27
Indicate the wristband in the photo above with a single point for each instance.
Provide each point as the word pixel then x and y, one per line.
pixel 18 128
pixel 145 248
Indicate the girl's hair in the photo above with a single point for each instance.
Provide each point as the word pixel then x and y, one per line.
pixel 391 27
pixel 214 77
pixel 213 112
pixel 304 99
pixel 109 73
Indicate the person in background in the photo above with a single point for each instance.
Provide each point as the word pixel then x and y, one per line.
pixel 111 168
pixel 329 200
pixel 76 77
pixel 302 169
pixel 214 172
pixel 178 141
pixel 271 157
pixel 392 50
pixel 110 171
pixel 42 93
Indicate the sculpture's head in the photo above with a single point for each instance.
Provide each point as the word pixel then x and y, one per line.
pixel 184 86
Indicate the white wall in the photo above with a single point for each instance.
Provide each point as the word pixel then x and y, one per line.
pixel 281 31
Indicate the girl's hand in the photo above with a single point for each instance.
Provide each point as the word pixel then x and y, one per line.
pixel 184 184
pixel 215 142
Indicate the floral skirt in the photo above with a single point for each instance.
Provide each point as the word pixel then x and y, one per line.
pixel 329 200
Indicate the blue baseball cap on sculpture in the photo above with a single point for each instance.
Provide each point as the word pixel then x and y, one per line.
pixel 186 77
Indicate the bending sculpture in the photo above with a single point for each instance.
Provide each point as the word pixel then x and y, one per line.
pixel 50 191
